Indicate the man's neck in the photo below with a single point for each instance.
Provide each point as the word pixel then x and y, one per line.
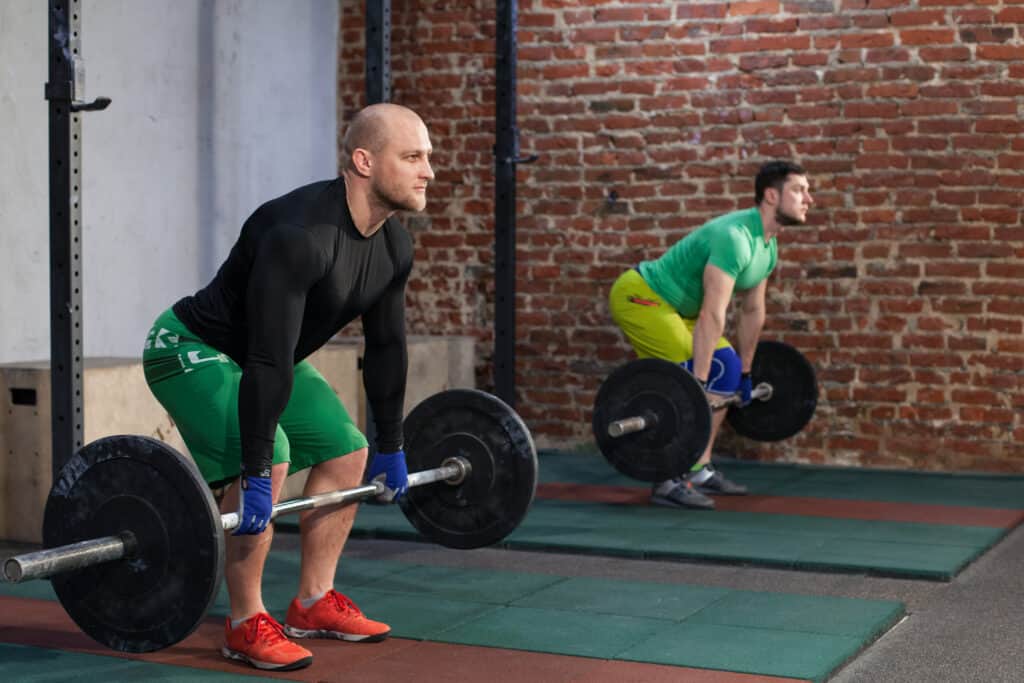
pixel 367 216
pixel 769 225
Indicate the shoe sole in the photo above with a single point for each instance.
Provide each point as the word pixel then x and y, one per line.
pixel 716 492
pixel 293 632
pixel 266 666
pixel 666 502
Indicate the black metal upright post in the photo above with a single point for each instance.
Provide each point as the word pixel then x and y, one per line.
pixel 378 51
pixel 66 80
pixel 506 156
pixel 378 89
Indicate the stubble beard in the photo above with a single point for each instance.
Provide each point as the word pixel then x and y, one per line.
pixel 785 219
pixel 391 201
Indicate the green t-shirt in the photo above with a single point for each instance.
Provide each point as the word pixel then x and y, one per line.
pixel 733 242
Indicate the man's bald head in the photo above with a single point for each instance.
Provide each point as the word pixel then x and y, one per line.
pixel 369 128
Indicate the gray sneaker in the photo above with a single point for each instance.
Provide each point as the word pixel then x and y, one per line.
pixel 718 484
pixel 682 495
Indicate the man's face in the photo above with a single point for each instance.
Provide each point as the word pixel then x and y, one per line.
pixel 794 199
pixel 402 170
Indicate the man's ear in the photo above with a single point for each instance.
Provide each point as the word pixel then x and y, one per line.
pixel 362 161
pixel 771 195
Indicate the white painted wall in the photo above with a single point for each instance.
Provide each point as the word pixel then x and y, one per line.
pixel 218 106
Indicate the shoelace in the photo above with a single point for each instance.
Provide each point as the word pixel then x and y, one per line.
pixel 262 626
pixel 343 603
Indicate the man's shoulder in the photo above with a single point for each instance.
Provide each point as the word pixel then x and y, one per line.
pixel 735 224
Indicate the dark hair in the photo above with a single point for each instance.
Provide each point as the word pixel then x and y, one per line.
pixel 774 174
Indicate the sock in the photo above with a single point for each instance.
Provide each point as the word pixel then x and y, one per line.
pixel 309 602
pixel 235 623
pixel 700 474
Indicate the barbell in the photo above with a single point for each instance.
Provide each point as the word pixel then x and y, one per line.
pixel 652 418
pixel 134 542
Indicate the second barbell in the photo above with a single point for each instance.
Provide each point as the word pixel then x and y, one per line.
pixel 652 419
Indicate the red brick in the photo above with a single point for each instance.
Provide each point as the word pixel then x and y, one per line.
pixel 750 7
pixel 1000 52
pixel 930 37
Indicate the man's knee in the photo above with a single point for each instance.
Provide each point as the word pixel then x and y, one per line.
pixel 344 464
pixel 724 375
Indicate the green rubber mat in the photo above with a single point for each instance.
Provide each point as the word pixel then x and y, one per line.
pixel 904 549
pixel 796 636
pixel 897 486
pixel 24 663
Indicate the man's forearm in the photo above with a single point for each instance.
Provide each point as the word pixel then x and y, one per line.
pixel 748 331
pixel 706 334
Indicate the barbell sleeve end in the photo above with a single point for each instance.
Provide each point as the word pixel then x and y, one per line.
pixel 51 561
pixel 628 425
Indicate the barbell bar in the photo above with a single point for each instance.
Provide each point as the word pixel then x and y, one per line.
pixel 638 423
pixel 43 564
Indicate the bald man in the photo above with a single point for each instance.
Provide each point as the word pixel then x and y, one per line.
pixel 228 364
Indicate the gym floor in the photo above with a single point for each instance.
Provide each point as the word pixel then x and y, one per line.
pixel 586 613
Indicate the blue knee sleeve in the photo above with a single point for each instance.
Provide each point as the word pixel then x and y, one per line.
pixel 724 376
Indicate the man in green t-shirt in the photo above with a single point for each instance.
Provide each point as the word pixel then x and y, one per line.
pixel 674 307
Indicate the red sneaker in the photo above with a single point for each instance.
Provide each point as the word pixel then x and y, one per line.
pixel 333 616
pixel 260 641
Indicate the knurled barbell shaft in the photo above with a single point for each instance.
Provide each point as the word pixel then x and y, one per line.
pixel 762 392
pixel 638 423
pixel 453 468
pixel 45 563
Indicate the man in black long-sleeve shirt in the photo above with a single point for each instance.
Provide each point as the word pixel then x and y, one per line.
pixel 228 364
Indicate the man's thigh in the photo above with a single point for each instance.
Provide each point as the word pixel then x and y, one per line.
pixel 316 422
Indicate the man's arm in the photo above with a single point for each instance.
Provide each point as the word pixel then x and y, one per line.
pixel 286 266
pixel 718 287
pixel 385 364
pixel 750 323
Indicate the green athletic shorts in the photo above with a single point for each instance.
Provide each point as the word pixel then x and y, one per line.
pixel 653 328
pixel 198 386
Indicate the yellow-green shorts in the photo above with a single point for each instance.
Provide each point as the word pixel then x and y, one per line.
pixel 653 328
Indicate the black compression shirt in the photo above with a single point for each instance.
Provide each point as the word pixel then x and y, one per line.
pixel 299 272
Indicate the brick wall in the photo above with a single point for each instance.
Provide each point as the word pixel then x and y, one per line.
pixel 905 287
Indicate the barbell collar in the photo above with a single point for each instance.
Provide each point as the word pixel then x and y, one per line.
pixel 45 563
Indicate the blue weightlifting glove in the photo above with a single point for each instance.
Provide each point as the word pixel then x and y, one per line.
pixel 746 386
pixel 389 468
pixel 255 505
